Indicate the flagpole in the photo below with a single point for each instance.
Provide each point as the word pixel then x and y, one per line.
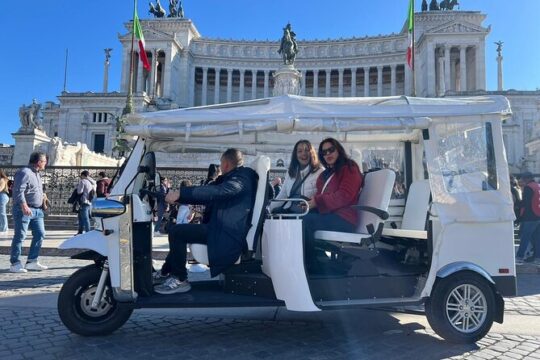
pixel 413 57
pixel 129 101
pixel 65 70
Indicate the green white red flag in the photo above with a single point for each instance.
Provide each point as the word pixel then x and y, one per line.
pixel 140 38
pixel 410 21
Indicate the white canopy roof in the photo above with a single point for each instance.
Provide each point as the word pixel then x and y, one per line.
pixel 288 114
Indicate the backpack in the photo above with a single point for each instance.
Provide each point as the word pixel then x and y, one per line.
pixel 535 202
pixel 91 195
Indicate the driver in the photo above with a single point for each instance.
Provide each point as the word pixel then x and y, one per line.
pixel 231 198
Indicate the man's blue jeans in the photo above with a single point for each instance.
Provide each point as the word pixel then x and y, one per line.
pixel 22 222
pixel 527 234
pixel 84 218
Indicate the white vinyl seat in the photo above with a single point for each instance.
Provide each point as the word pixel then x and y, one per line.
pixel 372 210
pixel 413 224
pixel 261 165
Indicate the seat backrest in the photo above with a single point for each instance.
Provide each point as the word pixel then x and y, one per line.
pixel 376 193
pixel 416 207
pixel 261 165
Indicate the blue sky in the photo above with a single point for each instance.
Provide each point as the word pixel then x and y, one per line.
pixel 36 33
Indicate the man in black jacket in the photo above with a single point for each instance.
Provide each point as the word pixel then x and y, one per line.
pixel 529 219
pixel 231 198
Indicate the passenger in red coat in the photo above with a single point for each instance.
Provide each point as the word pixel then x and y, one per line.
pixel 338 188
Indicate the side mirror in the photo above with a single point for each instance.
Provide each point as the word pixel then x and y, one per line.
pixel 106 208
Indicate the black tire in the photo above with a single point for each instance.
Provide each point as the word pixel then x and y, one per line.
pixel 74 305
pixel 476 315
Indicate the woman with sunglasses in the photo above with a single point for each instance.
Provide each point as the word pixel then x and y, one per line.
pixel 338 188
pixel 301 179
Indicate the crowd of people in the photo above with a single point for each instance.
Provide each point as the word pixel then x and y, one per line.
pixel 327 179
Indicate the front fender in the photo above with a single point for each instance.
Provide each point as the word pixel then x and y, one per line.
pixel 92 240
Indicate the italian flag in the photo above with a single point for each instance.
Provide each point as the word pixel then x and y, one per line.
pixel 140 38
pixel 410 21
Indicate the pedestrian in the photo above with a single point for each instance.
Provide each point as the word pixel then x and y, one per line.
pixel 102 185
pixel 161 205
pixel 28 206
pixel 529 219
pixel 86 189
pixel 4 199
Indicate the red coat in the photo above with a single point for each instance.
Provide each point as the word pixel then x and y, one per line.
pixel 341 192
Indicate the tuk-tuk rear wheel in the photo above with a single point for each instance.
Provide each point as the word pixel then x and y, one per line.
pixel 461 308
pixel 74 305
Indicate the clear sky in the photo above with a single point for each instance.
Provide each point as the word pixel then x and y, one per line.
pixel 34 35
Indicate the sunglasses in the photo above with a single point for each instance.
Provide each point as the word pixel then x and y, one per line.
pixel 330 150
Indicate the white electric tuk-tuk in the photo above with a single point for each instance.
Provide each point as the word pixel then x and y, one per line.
pixel 445 243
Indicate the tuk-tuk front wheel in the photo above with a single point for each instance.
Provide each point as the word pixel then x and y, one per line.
pixel 76 312
pixel 461 308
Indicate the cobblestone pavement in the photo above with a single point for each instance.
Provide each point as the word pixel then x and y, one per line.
pixel 32 330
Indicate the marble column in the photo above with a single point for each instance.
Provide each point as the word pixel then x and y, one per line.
pixel 500 73
pixel 204 86
pixel 191 85
pixel 408 90
pixel 216 85
pixel 480 70
pixel 353 82
pixel 266 83
pixel 379 81
pixel 229 84
pixel 442 88
pixel 327 83
pixel 431 91
pixel 315 82
pixel 393 79
pixel 167 73
pixel 447 82
pixel 463 68
pixel 303 82
pixel 366 81
pixel 340 83
pixel 242 90
pixel 253 84
pixel 125 71
pixel 153 73
pixel 140 75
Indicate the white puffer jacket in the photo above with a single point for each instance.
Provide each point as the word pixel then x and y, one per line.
pixel 308 188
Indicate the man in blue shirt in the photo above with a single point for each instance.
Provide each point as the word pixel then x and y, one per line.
pixel 28 206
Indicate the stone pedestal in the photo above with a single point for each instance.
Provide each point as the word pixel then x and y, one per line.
pixel 287 81
pixel 28 142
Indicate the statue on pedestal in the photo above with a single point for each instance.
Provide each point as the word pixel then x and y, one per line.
pixel 434 5
pixel 499 47
pixel 448 4
pixel 288 47
pixel 172 8
pixel 424 5
pixel 29 117
pixel 180 12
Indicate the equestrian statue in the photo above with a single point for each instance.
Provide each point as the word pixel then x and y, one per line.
pixel 288 47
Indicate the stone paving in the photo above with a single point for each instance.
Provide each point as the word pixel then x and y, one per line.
pixel 34 331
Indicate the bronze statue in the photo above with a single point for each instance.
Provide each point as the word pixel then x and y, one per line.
pixel 29 116
pixel 433 5
pixel 108 54
pixel 157 10
pixel 172 8
pixel 288 47
pixel 424 5
pixel 448 4
pixel 180 12
pixel 499 47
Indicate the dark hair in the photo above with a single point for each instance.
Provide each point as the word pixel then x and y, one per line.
pixel 3 174
pixel 294 165
pixel 102 174
pixel 36 156
pixel 185 183
pixel 213 171
pixel 234 156
pixel 343 158
pixel 85 173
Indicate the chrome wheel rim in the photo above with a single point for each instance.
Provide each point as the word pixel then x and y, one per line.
pixel 466 308
pixel 86 303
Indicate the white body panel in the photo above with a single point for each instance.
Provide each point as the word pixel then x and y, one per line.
pixel 283 262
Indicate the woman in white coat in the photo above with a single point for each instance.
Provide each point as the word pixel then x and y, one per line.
pixel 301 178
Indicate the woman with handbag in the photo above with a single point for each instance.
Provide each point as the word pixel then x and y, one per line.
pixel 304 169
pixel 4 199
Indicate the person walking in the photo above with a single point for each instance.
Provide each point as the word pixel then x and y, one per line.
pixel 529 219
pixel 28 203
pixel 86 189
pixel 102 185
pixel 4 199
